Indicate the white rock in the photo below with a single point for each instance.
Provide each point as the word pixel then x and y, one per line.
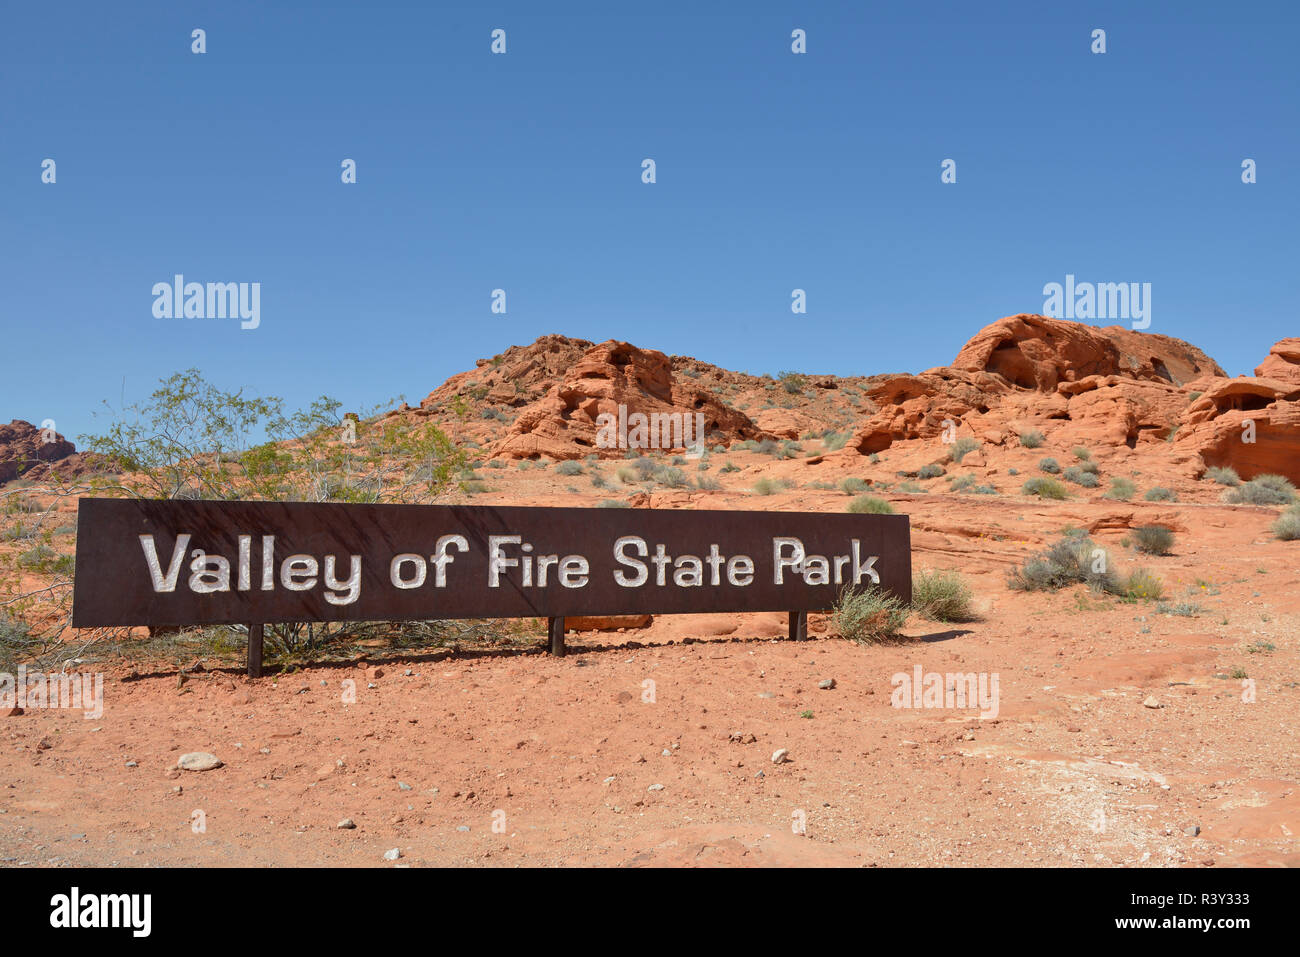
pixel 198 761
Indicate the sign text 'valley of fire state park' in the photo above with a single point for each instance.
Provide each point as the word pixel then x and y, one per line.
pixel 209 562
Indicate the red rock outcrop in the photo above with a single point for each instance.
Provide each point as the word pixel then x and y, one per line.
pixel 564 423
pixel 520 375
pixel 1283 362
pixel 1038 352
pixel 25 452
pixel 1109 386
pixel 1251 423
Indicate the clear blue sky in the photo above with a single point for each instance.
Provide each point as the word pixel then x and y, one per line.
pixel 523 171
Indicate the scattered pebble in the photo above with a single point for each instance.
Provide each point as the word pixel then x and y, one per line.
pixel 198 761
pixel 655 787
pixel 393 854
pixel 826 684
pixel 347 824
pixel 780 755
pixel 1151 702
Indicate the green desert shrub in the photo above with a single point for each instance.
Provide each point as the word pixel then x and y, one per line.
pixel 765 486
pixel 1141 585
pixel 1081 453
pixel 1049 466
pixel 853 486
pixel 1287 526
pixel 1153 539
pixel 729 467
pixel 612 503
pixel 984 490
pixel 627 475
pixel 1262 490
pixel 707 483
pixel 962 482
pixel 942 595
pixel 38 557
pixel 1223 476
pixel 1045 488
pixel 1032 439
pixel 1081 476
pixel 1159 494
pixel 869 616
pixel 911 487
pixel 569 468
pixel 671 477
pixel 961 447
pixel 870 505
pixel 929 471
pixel 1075 559
pixel 1121 489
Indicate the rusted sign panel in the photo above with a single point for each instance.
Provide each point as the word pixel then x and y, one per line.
pixel 183 563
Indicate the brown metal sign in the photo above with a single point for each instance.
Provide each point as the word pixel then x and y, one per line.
pixel 208 562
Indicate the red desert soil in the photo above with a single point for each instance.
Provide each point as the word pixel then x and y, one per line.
pixel 1124 735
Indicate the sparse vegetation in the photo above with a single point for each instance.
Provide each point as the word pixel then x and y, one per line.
pixel 1183 609
pixel 962 447
pixel 1223 476
pixel 1081 476
pixel 929 471
pixel 1049 465
pixel 1075 559
pixel 942 595
pixel 1160 494
pixel 1045 488
pixel 1121 489
pixel 1153 539
pixel 1141 585
pixel 671 477
pixel 1032 439
pixel 1287 526
pixel 870 505
pixel 853 486
pixel 869 616
pixel 792 382
pixel 765 486
pixel 1081 453
pixel 569 467
pixel 1262 490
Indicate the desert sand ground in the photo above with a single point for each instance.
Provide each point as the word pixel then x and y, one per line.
pixel 1123 736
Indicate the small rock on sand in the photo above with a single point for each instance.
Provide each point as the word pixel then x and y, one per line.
pixel 198 761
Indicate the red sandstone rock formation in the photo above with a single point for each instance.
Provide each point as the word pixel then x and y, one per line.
pixel 25 452
pixel 1037 352
pixel 563 424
